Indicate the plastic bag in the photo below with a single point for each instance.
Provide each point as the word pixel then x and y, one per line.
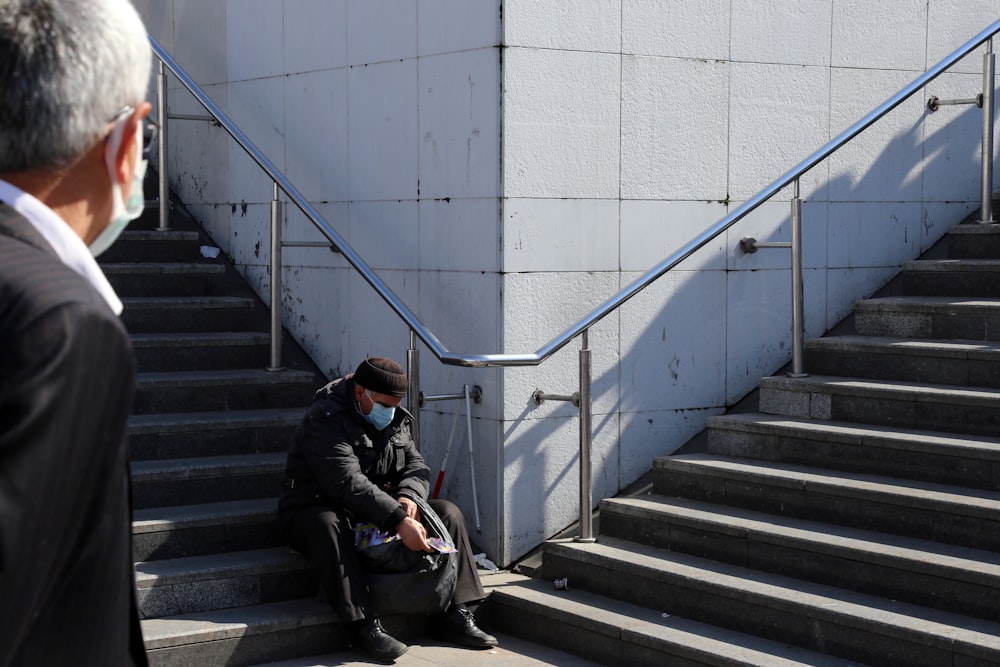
pixel 402 581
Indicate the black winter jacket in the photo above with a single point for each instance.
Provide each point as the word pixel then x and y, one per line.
pixel 338 460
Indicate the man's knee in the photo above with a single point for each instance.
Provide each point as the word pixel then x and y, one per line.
pixel 316 529
pixel 449 512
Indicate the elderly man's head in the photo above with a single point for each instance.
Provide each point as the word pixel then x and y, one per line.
pixel 379 385
pixel 73 79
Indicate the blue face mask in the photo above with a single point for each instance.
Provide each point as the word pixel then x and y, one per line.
pixel 380 415
pixel 122 211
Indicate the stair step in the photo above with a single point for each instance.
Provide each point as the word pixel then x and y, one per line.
pixel 149 279
pixel 613 632
pixel 922 406
pixel 193 313
pixel 974 241
pixel 200 350
pixel 951 318
pixel 174 235
pixel 955 579
pixel 211 433
pixel 849 625
pixel 939 512
pixel 244 635
pixel 905 453
pixel 951 277
pixel 205 268
pixel 206 528
pixel 221 581
pixel 205 479
pixel 222 389
pixel 172 245
pixel 969 363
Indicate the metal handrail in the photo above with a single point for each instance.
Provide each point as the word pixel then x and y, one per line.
pixel 596 315
pixel 580 328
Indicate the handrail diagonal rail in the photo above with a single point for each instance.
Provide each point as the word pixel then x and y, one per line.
pixel 636 286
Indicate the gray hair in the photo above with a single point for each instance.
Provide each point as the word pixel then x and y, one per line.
pixel 66 68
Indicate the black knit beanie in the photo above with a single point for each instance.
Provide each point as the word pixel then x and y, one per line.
pixel 381 375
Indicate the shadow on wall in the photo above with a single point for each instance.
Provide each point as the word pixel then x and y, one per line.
pixel 631 433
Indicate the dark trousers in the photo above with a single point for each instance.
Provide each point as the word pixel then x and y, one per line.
pixel 326 537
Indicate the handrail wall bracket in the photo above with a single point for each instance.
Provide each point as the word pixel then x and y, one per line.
pixel 984 101
pixel 475 393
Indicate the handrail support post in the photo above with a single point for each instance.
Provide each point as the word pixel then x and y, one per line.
pixel 798 308
pixel 583 400
pixel 586 410
pixel 275 280
pixel 750 245
pixel 161 148
pixel 413 398
pixel 989 70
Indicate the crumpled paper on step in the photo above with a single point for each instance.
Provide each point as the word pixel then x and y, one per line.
pixel 484 563
pixel 209 252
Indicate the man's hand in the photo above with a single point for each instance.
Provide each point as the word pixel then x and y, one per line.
pixel 411 508
pixel 414 535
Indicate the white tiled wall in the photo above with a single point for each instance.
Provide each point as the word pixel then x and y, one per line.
pixel 653 229
pixel 709 102
pixel 314 35
pixel 457 117
pixel 676 29
pixel 585 25
pixel 674 130
pixel 560 235
pixel 561 123
pixel 882 35
pixel 505 191
pixel 316 137
pixel 779 114
pixel 803 27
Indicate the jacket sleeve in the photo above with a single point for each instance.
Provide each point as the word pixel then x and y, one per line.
pixel 415 477
pixel 327 441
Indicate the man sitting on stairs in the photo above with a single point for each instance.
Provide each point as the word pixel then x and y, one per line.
pixel 353 459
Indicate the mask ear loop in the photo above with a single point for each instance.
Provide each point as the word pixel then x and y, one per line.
pixel 357 401
pixel 111 145
pixel 120 216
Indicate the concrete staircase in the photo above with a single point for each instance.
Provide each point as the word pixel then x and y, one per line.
pixel 854 518
pixel 208 433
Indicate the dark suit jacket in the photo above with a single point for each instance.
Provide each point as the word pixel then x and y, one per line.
pixel 67 375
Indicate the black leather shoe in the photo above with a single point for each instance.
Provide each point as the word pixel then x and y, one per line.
pixel 458 626
pixel 376 642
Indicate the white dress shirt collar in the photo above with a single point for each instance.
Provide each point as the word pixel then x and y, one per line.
pixel 68 246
